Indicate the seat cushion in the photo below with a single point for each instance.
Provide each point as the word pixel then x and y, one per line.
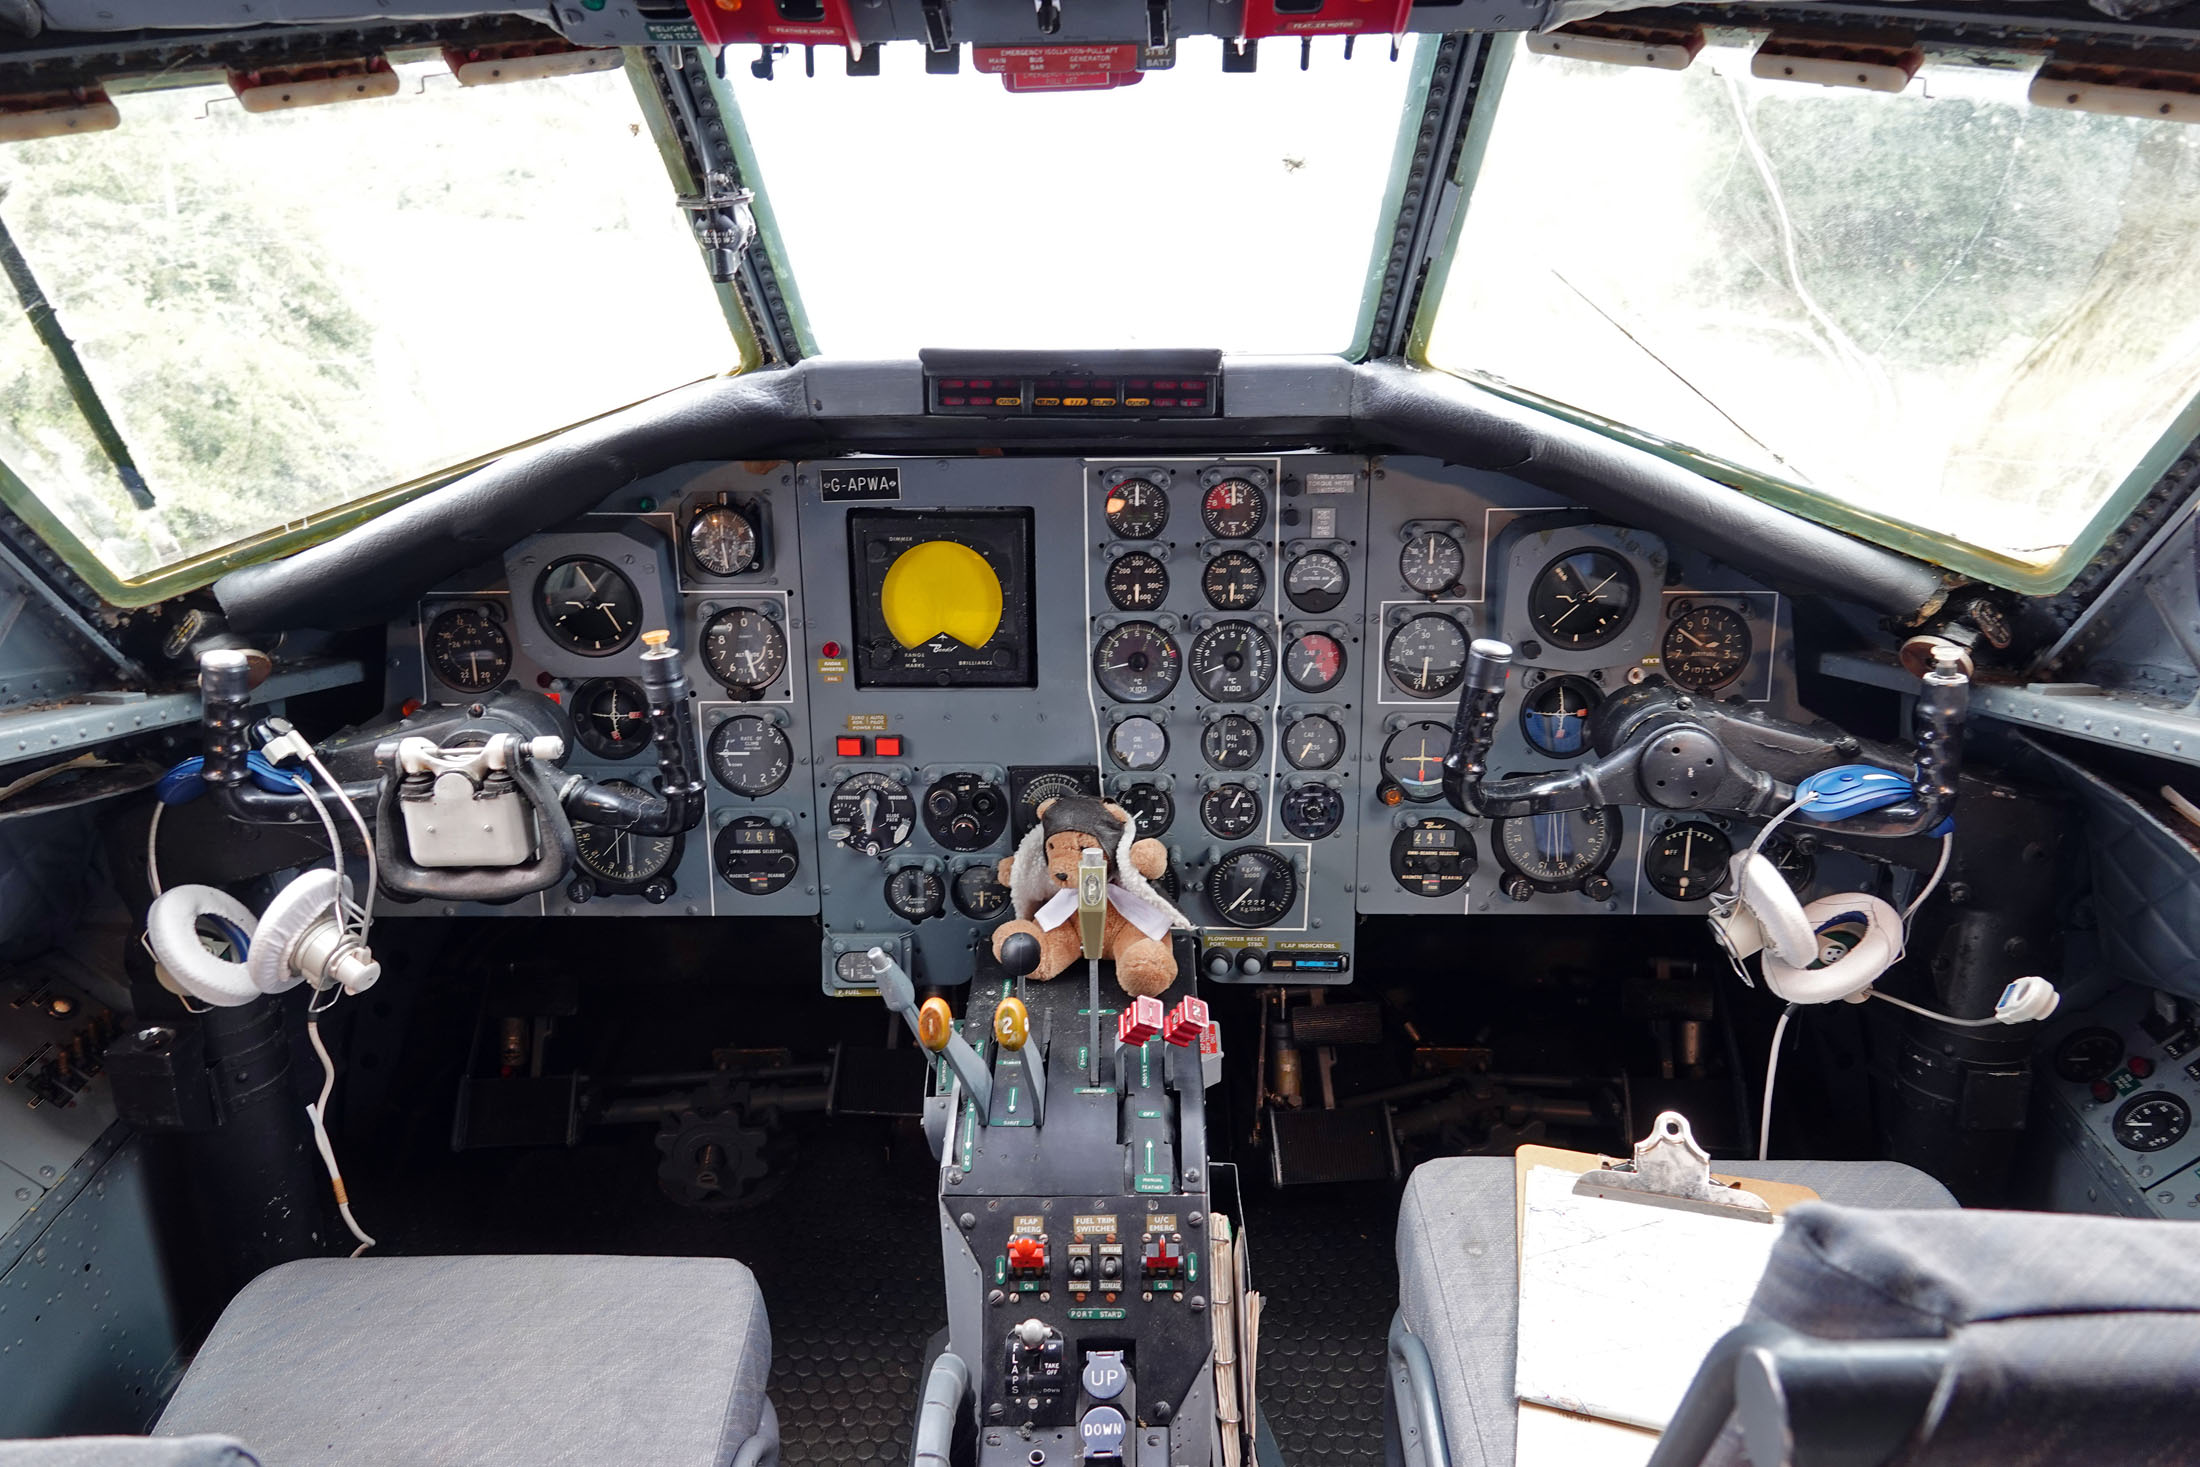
pixel 126 1451
pixel 483 1361
pixel 1459 1275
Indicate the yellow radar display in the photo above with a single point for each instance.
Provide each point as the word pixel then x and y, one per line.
pixel 942 597
pixel 941 588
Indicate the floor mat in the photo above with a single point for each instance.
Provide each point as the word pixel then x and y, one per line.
pixel 1324 1260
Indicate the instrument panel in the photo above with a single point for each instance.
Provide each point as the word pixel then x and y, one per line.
pixel 898 660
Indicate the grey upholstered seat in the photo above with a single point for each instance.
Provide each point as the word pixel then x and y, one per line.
pixel 523 1361
pixel 1458 1275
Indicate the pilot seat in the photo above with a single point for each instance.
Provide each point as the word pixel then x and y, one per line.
pixel 488 1361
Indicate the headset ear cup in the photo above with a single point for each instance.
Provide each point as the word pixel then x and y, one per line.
pixel 1849 975
pixel 1760 887
pixel 172 931
pixel 293 912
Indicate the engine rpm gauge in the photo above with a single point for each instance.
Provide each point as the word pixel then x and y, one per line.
pixel 1138 744
pixel 1316 582
pixel 914 893
pixel 1233 662
pixel 1137 662
pixel 870 813
pixel 2151 1121
pixel 744 649
pixel 723 540
pixel 1252 887
pixel 1137 582
pixel 1583 599
pixel 588 606
pixel 1233 581
pixel 1233 510
pixel 467 648
pixel 1231 811
pixel 978 893
pixel 1554 715
pixel 1137 509
pixel 1232 741
pixel 1706 648
pixel 1432 562
pixel 1688 861
pixel 1558 852
pixel 611 718
pixel 1313 742
pixel 1426 655
pixel 1315 662
pixel 1413 760
pixel 749 755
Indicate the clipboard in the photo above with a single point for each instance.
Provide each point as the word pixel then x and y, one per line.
pixel 1547 1434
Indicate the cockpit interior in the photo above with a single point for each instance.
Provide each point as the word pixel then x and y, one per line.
pixel 1160 733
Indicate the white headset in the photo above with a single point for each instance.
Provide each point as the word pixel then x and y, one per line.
pixel 1836 948
pixel 299 938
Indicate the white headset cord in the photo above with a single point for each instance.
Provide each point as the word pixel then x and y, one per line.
pixel 315 1113
pixel 1772 1071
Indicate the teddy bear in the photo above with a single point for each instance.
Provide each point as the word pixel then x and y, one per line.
pixel 1042 881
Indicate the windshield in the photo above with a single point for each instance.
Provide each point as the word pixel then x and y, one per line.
pixel 1945 310
pixel 1191 209
pixel 285 312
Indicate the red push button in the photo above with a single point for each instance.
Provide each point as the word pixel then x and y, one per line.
pixel 2103 1091
pixel 2140 1066
pixel 848 748
pixel 1140 1021
pixel 889 747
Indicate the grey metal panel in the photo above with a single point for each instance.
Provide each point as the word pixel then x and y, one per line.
pixel 853 389
pixel 1483 510
pixel 18 1195
pixel 2099 715
pixel 657 508
pixel 89 1334
pixel 98 718
pixel 1286 387
pixel 973 729
pixel 1299 521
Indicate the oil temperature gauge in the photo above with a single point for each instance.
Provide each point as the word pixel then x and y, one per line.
pixel 1231 811
pixel 2151 1121
pixel 914 893
pixel 1152 811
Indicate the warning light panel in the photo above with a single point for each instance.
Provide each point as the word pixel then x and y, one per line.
pixel 1158 396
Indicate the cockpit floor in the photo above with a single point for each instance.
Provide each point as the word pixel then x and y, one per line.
pixel 847 1254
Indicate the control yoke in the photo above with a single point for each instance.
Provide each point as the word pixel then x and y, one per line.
pixel 1668 755
pixel 469 802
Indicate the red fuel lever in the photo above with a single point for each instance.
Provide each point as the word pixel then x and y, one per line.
pixel 1140 1021
pixel 1187 1022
